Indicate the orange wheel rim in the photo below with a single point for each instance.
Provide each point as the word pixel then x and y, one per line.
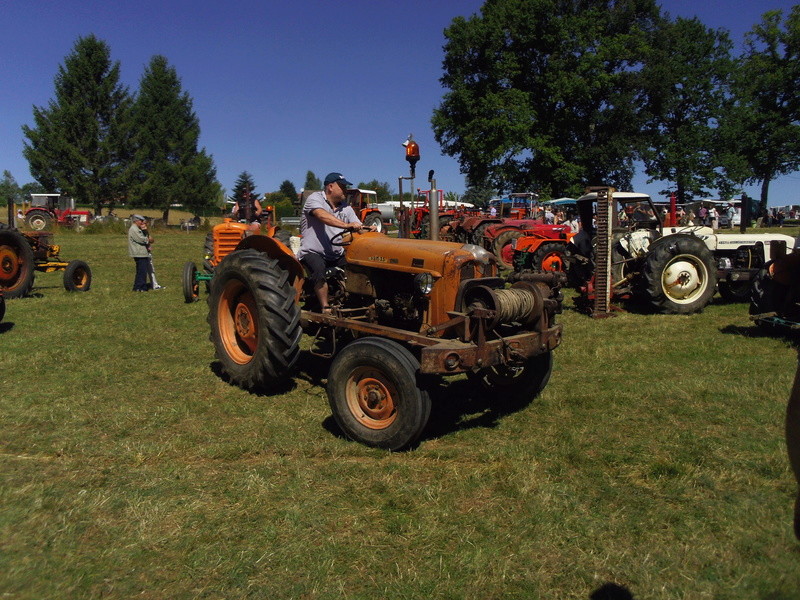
pixel 79 278
pixel 370 398
pixel 553 262
pixel 9 263
pixel 237 319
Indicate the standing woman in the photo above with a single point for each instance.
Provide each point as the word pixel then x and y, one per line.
pixel 138 241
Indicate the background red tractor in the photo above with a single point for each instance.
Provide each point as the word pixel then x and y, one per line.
pixel 46 209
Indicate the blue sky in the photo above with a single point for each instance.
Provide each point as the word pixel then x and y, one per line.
pixel 281 88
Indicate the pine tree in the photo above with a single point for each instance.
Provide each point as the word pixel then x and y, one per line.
pixel 289 191
pixel 79 143
pixel 9 189
pixel 167 166
pixel 243 188
pixel 312 182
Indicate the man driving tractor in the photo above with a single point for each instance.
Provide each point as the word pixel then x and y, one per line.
pixel 319 223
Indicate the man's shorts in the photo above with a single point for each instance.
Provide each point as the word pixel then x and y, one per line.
pixel 316 265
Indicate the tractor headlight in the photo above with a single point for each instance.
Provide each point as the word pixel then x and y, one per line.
pixel 424 283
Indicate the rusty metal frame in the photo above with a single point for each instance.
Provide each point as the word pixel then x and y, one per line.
pixel 448 356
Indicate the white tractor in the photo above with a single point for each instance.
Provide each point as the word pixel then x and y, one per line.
pixel 677 269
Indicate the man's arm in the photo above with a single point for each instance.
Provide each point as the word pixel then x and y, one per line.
pixel 328 219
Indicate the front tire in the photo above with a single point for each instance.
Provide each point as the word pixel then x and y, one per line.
pixel 191 288
pixel 254 320
pixel 520 384
pixel 550 256
pixel 374 395
pixel 77 276
pixel 16 264
pixel 734 291
pixel 680 275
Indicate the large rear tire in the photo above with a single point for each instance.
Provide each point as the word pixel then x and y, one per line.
pixel 374 394
pixel 680 275
pixel 38 220
pixel 16 264
pixel 77 276
pixel 476 235
pixel 254 320
pixel 504 247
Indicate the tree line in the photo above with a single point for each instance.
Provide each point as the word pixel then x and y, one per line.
pixel 102 145
pixel 554 95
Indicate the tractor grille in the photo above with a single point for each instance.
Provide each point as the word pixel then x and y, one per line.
pixel 225 243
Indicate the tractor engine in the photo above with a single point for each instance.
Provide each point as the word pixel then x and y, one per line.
pixel 424 285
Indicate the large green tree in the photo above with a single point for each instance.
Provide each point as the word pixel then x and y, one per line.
pixel 79 142
pixel 684 82
pixel 541 93
pixel 764 120
pixel 168 168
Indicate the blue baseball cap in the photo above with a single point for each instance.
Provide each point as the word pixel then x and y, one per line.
pixel 337 178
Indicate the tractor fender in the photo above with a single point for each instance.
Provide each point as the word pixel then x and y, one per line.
pixel 273 248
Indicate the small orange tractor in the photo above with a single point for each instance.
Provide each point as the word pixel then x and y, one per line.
pixel 401 310
pixel 363 203
pixel 22 254
pixel 221 241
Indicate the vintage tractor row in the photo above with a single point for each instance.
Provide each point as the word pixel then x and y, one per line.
pixel 402 310
pixel 624 251
pixel 22 254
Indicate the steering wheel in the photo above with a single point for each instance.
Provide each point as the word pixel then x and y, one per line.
pixel 340 240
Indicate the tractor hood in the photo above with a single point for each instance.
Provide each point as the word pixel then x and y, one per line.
pixel 411 256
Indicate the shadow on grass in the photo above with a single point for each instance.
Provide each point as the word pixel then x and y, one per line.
pixel 283 387
pixel 457 404
pixel 6 326
pixel 611 591
pixel 755 331
pixel 460 405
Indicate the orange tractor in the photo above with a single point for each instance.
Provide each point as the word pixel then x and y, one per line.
pixel 543 248
pixel 401 310
pixel 221 241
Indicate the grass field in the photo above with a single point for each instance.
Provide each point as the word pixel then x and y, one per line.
pixel 128 468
